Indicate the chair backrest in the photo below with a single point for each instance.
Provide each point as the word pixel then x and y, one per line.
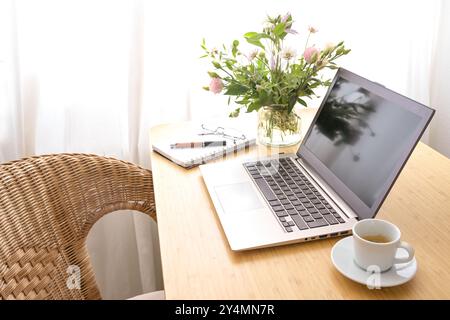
pixel 48 204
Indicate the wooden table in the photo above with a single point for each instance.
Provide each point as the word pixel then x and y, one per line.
pixel 198 263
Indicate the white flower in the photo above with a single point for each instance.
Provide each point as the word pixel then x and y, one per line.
pixel 253 55
pixel 329 46
pixel 288 54
pixel 312 29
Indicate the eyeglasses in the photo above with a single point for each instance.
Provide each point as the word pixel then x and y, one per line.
pixel 227 133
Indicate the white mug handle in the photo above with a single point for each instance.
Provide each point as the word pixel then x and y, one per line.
pixel 409 249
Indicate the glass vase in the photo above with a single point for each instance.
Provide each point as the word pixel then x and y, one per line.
pixel 277 127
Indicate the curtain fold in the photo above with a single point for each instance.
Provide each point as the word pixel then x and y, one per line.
pixel 95 75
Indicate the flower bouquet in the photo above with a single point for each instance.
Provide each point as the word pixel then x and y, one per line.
pixel 271 79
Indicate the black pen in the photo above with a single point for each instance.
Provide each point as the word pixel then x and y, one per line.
pixel 198 144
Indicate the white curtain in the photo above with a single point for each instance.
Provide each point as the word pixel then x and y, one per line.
pixel 94 76
pixel 71 81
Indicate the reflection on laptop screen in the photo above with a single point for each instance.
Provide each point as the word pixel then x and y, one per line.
pixel 360 137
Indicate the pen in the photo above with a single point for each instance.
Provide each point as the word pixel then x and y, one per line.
pixel 199 144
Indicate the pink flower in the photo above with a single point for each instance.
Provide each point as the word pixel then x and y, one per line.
pixel 311 54
pixel 286 17
pixel 216 85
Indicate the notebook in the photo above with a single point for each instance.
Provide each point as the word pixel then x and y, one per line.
pixel 238 136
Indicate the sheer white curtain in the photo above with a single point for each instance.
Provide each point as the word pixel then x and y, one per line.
pixel 94 76
pixel 71 79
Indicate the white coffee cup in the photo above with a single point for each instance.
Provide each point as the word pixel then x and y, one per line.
pixel 378 256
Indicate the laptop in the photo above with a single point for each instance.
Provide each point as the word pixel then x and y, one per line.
pixel 349 159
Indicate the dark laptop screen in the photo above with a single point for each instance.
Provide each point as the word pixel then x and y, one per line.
pixel 362 137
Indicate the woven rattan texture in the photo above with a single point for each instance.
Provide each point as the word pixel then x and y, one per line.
pixel 48 204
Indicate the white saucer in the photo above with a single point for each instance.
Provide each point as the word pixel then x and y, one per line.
pixel 342 257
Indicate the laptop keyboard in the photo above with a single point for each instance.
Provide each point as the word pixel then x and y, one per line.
pixel 292 197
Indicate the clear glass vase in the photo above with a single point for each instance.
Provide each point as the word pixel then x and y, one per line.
pixel 277 127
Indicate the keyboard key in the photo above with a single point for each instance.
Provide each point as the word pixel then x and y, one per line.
pixel 286 224
pixel 292 212
pixel 289 207
pixel 278 208
pixel 323 211
pixel 312 210
pixel 288 229
pixel 264 188
pixel 340 220
pixel 292 198
pixel 320 206
pixel 273 185
pixel 317 223
pixel 282 219
pixel 308 218
pixel 274 203
pixel 304 214
pixel 330 219
pixel 299 222
pixel 316 216
pixel 281 214
pixel 296 203
pixel 291 223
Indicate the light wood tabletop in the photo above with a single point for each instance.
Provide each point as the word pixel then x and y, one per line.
pixel 198 263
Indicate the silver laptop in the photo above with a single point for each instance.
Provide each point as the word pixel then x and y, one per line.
pixel 354 150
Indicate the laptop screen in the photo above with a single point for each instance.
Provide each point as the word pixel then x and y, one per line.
pixel 362 136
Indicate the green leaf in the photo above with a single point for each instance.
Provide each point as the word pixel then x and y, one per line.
pixel 213 74
pixel 302 102
pixel 216 64
pixel 254 106
pixel 235 113
pixel 255 37
pixel 264 98
pixel 255 42
pixel 235 89
pixel 279 29
pixel 205 88
pixel 234 48
pixel 292 101
pixel 250 34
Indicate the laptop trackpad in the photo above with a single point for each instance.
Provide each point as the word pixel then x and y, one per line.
pixel 238 197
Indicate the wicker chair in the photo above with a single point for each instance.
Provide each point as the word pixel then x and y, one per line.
pixel 48 204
